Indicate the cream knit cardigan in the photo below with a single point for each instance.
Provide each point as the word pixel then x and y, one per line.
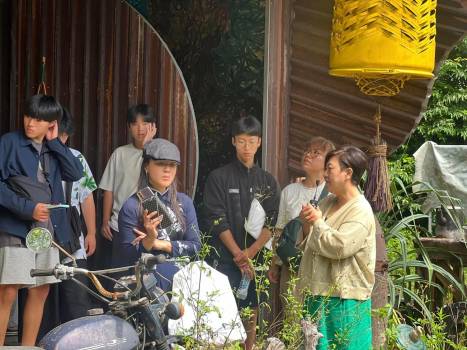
pixel 340 251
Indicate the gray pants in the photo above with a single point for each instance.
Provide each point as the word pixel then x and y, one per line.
pixel 17 262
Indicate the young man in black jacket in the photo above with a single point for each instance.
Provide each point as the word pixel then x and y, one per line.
pixel 228 195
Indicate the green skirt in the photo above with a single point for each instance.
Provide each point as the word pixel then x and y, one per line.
pixel 344 323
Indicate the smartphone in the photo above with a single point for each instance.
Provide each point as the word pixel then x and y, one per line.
pixel 314 203
pixel 151 202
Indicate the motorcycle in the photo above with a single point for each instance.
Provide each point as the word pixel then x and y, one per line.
pixel 138 310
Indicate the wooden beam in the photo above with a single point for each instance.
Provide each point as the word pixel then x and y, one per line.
pixel 275 104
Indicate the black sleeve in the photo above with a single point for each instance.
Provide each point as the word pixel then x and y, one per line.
pixel 271 202
pixel 215 205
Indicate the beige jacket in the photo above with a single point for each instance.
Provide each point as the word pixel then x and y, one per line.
pixel 339 253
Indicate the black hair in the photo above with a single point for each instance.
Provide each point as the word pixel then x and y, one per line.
pixel 350 157
pixel 140 110
pixel 43 107
pixel 66 124
pixel 247 125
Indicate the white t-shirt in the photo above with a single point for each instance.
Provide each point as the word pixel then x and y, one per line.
pixel 293 196
pixel 121 177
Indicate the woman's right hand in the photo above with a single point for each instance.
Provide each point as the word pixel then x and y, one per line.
pixel 309 214
pixel 306 210
pixel 150 223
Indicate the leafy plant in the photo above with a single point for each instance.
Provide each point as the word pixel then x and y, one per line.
pixel 433 330
pixel 219 46
pixel 403 227
pixel 445 118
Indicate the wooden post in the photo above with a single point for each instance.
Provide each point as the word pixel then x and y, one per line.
pixel 379 296
pixel 275 103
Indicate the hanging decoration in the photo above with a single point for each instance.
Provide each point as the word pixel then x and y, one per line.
pixel 383 43
pixel 377 186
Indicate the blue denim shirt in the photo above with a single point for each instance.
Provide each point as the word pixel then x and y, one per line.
pixel 19 157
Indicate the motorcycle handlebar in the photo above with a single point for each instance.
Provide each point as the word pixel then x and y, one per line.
pixel 42 272
pixel 64 272
pixel 61 272
pixel 150 260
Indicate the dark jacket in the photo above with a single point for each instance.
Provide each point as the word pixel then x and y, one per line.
pixel 19 157
pixel 227 199
pixel 129 218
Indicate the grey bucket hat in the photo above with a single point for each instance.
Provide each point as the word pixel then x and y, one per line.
pixel 161 149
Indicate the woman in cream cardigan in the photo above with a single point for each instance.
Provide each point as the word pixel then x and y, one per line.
pixel 336 274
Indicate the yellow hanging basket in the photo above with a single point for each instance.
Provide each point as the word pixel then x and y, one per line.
pixel 383 43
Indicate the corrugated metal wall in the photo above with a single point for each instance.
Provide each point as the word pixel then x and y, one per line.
pixel 4 64
pixel 322 105
pixel 102 57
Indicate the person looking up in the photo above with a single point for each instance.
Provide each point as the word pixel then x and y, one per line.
pixel 311 187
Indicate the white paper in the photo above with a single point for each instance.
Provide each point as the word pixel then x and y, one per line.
pixel 255 222
pixel 197 284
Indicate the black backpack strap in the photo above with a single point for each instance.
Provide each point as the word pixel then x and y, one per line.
pixel 44 158
pixel 324 193
pixel 68 188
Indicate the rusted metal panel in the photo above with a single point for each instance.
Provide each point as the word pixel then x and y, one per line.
pixel 333 107
pixel 102 57
pixel 5 43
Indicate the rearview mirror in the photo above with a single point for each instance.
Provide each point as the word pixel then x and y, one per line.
pixel 39 239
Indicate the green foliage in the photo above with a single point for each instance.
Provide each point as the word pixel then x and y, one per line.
pixel 403 167
pixel 445 119
pixel 219 47
pixel 291 330
pixel 402 228
pixel 433 331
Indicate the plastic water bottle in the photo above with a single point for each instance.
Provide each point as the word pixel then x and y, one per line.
pixel 242 290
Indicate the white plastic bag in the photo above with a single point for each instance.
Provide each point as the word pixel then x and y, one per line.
pixel 200 287
pixel 255 222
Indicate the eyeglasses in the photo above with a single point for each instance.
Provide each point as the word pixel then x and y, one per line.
pixel 312 153
pixel 250 143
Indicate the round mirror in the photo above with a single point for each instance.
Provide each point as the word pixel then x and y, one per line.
pixel 39 239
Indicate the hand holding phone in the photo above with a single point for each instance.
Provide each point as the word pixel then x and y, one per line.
pixel 310 213
pixel 151 221
pixel 151 202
